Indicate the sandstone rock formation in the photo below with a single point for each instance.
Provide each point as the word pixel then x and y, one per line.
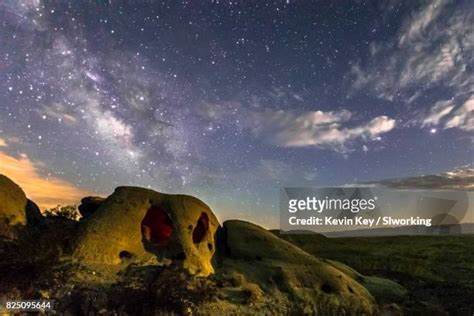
pixel 33 213
pixel 309 285
pixel 12 207
pixel 159 239
pixel 89 205
pixel 13 202
pixel 141 225
pixel 384 290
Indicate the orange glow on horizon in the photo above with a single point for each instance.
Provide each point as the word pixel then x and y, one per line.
pixel 45 191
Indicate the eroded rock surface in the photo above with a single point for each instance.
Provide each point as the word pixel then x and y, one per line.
pixel 307 284
pixel 12 207
pixel 157 244
pixel 384 290
pixel 141 225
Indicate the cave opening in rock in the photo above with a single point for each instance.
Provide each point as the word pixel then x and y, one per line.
pixel 124 255
pixel 327 288
pixel 201 228
pixel 157 227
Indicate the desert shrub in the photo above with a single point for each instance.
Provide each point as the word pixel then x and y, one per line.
pixel 66 211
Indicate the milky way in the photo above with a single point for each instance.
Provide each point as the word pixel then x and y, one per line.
pixel 230 101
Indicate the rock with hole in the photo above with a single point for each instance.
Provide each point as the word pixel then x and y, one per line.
pixel 144 226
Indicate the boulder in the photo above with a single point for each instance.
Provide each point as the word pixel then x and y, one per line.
pixel 33 213
pixel 384 290
pixel 308 285
pixel 89 205
pixel 12 207
pixel 144 226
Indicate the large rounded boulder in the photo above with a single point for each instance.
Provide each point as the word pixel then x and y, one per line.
pixel 12 207
pixel 301 282
pixel 144 226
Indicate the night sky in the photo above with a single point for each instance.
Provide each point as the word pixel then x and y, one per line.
pixel 231 100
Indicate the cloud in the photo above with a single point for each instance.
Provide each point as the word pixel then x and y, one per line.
pixel 45 191
pixel 332 130
pixel 59 112
pixel 444 113
pixel 314 128
pixel 461 178
pixel 3 143
pixel 463 117
pixel 432 50
pixel 379 125
pixel 418 24
pixel 438 112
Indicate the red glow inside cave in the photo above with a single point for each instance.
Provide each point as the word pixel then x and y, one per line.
pixel 201 228
pixel 157 227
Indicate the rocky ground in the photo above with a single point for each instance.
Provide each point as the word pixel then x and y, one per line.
pixel 284 280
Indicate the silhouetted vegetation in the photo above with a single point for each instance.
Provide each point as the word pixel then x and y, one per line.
pixel 66 211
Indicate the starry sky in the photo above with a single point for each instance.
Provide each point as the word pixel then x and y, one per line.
pixel 231 100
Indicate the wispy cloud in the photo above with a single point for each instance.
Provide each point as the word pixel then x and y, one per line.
pixel 461 178
pixel 444 113
pixel 463 117
pixel 332 130
pixel 3 142
pixel 437 113
pixel 419 23
pixel 59 112
pixel 45 191
pixel 432 49
pixel 319 129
